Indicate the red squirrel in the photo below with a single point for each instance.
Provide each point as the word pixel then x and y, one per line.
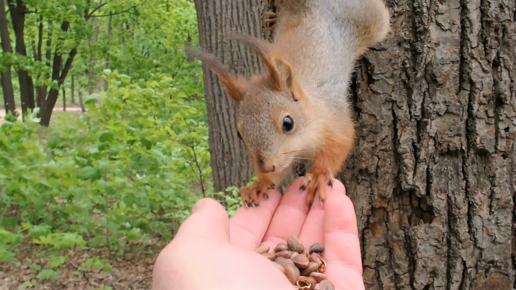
pixel 299 108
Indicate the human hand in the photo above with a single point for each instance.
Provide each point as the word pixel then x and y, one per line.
pixel 212 252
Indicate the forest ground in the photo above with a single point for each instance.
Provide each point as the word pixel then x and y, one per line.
pixel 132 270
pixel 76 111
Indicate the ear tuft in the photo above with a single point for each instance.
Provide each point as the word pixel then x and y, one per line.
pixel 287 75
pixel 264 50
pixel 234 86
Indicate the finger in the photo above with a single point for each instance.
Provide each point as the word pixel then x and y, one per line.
pixel 209 220
pixel 313 229
pixel 248 226
pixel 342 246
pixel 289 216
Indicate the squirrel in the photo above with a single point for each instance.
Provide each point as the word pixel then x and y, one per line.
pixel 299 109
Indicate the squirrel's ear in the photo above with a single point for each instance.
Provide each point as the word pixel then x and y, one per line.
pixel 263 49
pixel 287 75
pixel 235 86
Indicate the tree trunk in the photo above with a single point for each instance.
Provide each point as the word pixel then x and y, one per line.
pixel 433 173
pixel 7 83
pixel 81 103
pixel 72 89
pixel 59 74
pixel 91 70
pixel 108 37
pixel 229 161
pixel 41 91
pixel 18 12
pixel 64 98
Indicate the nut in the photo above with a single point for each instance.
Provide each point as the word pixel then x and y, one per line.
pixel 322 267
pixel 284 254
pixel 292 274
pixel 316 258
pixel 282 269
pixel 269 256
pixel 326 285
pixel 316 248
pixel 312 267
pixel 281 247
pixel 294 254
pixel 304 269
pixel 318 276
pixel 294 244
pixel 301 261
pixel 306 283
pixel 262 249
pixel 284 262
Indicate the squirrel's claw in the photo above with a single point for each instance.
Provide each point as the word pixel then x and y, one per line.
pixel 250 193
pixel 315 183
pixel 330 177
pixel 273 16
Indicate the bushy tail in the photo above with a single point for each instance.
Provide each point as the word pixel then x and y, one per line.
pixel 371 22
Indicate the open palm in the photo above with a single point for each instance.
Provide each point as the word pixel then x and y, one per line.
pixel 212 252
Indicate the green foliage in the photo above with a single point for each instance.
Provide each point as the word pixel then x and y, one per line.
pixel 129 171
pixel 95 263
pixel 7 240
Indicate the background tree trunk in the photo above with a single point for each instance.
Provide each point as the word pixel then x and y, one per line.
pixel 7 83
pixel 18 12
pixel 433 173
pixel 64 97
pixel 229 162
pixel 72 89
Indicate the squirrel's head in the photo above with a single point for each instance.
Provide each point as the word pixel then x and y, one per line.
pixel 272 108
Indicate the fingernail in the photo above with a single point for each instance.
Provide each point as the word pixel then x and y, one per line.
pixel 198 205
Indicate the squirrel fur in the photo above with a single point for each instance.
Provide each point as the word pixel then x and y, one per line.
pixel 298 109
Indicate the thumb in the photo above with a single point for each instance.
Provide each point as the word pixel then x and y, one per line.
pixel 209 220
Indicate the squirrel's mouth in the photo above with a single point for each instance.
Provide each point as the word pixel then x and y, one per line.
pixel 282 168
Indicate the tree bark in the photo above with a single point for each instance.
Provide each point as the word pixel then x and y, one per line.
pixel 108 37
pixel 64 98
pixel 433 173
pixel 229 162
pixel 18 12
pixel 81 103
pixel 41 91
pixel 7 83
pixel 91 69
pixel 72 90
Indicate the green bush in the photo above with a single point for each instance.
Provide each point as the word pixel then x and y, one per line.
pixel 128 170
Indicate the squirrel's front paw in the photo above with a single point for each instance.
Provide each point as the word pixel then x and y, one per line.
pixel 273 19
pixel 315 183
pixel 273 16
pixel 250 193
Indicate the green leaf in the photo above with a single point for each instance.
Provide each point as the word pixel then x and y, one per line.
pixel 48 274
pixel 106 136
pixel 90 173
pixel 90 100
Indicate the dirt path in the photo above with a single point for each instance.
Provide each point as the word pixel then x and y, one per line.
pixel 60 109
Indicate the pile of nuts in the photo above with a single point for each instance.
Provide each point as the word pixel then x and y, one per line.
pixel 304 270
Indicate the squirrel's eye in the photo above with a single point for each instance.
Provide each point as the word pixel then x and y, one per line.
pixel 288 124
pixel 239 136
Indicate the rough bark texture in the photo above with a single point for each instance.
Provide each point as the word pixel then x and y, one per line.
pixel 18 11
pixel 230 163
pixel 7 84
pixel 433 173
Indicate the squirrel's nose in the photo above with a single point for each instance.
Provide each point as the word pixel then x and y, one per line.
pixel 266 168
